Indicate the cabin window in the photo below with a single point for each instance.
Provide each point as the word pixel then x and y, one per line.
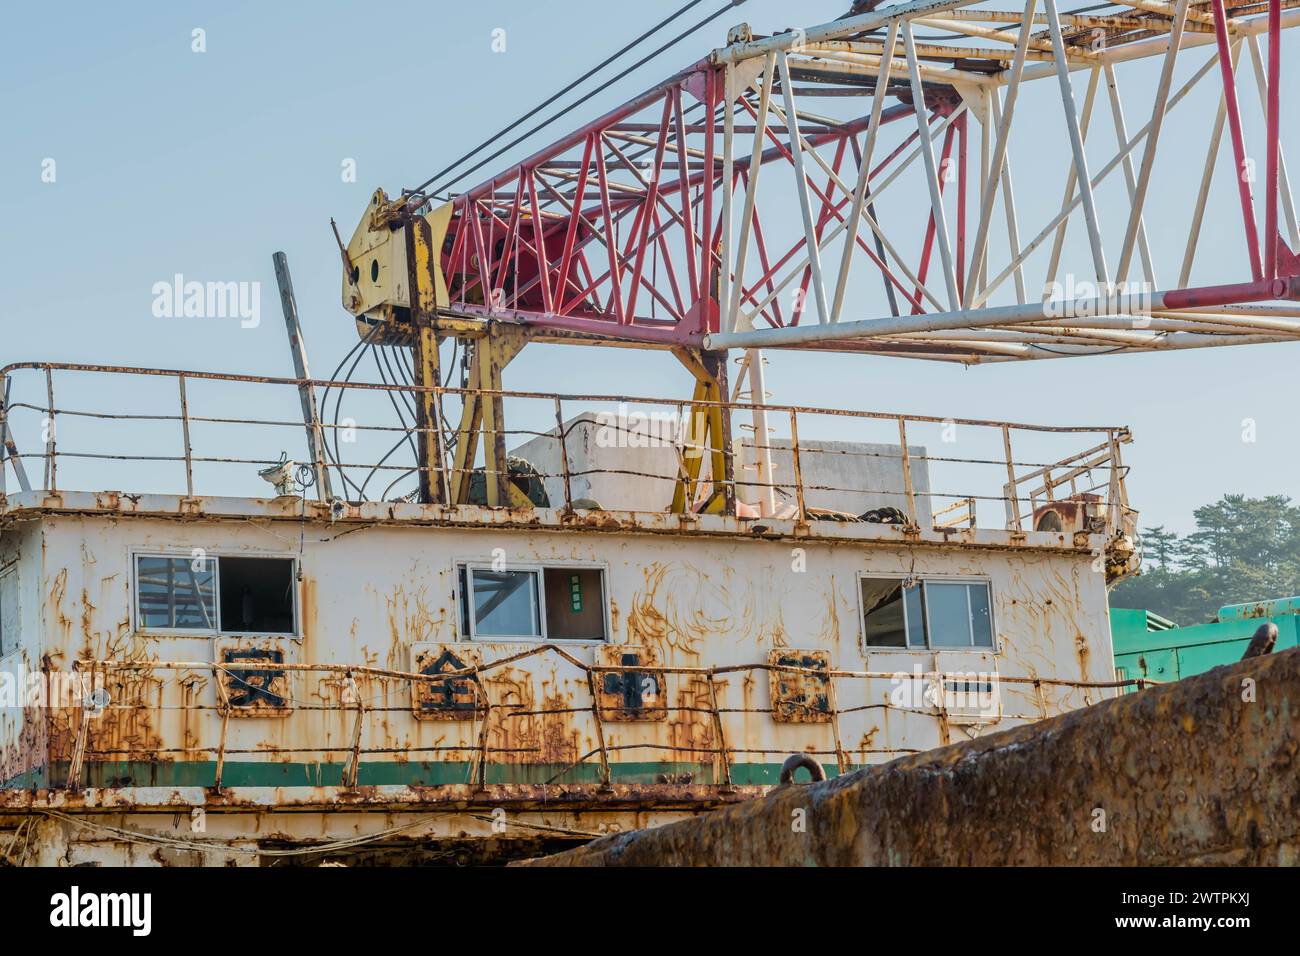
pixel 233 595
pixel 922 614
pixel 9 630
pixel 534 603
pixel 256 595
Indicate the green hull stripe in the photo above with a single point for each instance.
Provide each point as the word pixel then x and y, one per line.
pixel 203 773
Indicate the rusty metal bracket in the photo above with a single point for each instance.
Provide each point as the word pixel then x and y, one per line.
pixel 794 762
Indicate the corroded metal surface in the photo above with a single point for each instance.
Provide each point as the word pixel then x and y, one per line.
pixel 1205 771
pixel 351 676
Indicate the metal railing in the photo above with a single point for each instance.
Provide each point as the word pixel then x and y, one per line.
pixel 707 712
pixel 895 468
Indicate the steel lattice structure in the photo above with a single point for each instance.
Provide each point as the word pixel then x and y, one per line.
pixel 619 231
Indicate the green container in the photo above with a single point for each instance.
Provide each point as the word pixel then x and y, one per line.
pixel 1148 645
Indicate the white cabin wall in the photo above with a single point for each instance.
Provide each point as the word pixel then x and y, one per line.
pixel 368 594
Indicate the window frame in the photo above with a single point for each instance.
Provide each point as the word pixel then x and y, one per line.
pixel 465 613
pixel 928 648
pixel 215 556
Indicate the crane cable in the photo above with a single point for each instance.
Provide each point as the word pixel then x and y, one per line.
pixel 421 191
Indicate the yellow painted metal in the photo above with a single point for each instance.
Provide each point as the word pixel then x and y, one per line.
pixel 434 487
pixel 394 263
pixel 484 414
pixel 379 279
pixel 706 433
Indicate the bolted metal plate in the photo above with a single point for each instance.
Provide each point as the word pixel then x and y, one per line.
pixel 799 698
pixel 457 698
pixel 636 693
pixel 260 692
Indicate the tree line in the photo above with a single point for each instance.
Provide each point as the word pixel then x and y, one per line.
pixel 1243 549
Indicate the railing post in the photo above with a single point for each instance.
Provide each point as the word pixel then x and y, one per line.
pixel 907 473
pixel 481 776
pixel 224 707
pixel 841 758
pixel 185 431
pixel 564 454
pixel 7 441
pixel 4 429
pixel 723 752
pixel 802 516
pixel 1113 491
pixel 78 758
pixel 605 779
pixel 1012 499
pixel 51 462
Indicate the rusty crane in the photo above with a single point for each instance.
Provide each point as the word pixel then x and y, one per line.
pixel 665 223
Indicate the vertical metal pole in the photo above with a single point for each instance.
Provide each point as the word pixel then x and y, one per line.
pixel 907 472
pixel 185 432
pixel 802 514
pixel 306 392
pixel 1013 500
pixel 564 454
pixel 51 451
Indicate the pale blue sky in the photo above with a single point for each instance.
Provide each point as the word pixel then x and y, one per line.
pixel 204 164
